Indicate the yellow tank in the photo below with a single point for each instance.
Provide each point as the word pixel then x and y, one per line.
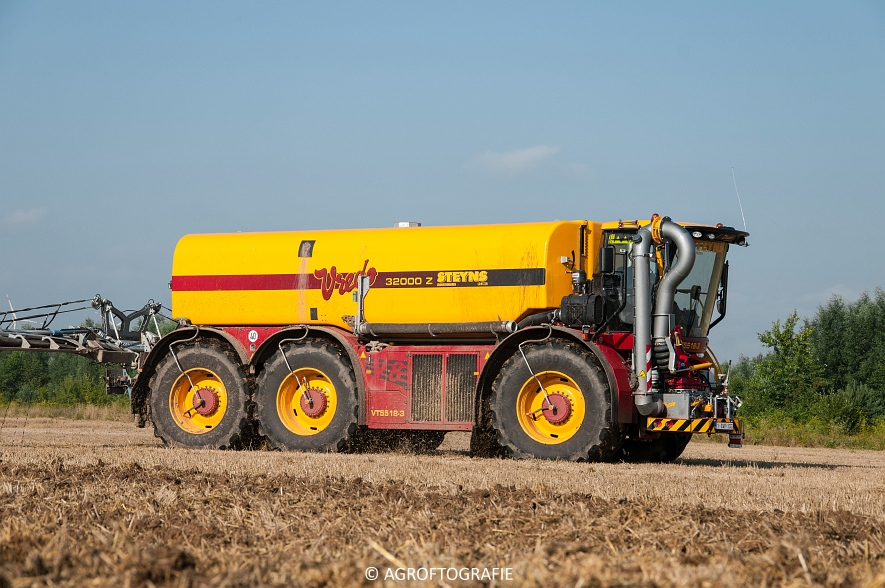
pixel 418 274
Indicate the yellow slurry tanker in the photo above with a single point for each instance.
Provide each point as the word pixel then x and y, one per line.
pixel 567 340
pixel 572 340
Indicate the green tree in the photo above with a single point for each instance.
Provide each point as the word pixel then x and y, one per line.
pixel 22 374
pixel 849 340
pixel 830 370
pixel 788 379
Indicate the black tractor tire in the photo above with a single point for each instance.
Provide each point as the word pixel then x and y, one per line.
pixel 668 447
pixel 213 357
pixel 341 433
pixel 597 438
pixel 484 438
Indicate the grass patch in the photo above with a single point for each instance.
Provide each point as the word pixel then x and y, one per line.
pixel 117 411
pixel 814 433
pixel 776 431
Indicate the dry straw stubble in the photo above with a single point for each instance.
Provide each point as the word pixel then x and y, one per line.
pixel 100 502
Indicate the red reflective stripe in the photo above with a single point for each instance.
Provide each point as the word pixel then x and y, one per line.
pixel 647 368
pixel 249 282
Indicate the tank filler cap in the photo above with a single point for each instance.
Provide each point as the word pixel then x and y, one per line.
pixel 406 224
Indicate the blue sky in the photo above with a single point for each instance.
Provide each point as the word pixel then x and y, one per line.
pixel 124 126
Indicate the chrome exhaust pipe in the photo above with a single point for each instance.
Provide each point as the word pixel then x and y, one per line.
pixel 659 230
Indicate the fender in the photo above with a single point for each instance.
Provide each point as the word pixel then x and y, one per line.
pixel 508 346
pixel 341 339
pixel 624 410
pixel 140 390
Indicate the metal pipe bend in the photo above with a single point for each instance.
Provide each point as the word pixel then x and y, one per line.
pixel 658 230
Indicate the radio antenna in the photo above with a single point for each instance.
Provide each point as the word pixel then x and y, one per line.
pixel 14 318
pixel 734 179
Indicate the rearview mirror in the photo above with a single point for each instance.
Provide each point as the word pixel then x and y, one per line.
pixel 607 260
pixel 721 296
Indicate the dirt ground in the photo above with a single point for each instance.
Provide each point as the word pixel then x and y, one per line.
pixel 102 503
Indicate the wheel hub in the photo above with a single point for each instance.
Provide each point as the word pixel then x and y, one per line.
pixel 206 402
pixel 557 409
pixel 316 406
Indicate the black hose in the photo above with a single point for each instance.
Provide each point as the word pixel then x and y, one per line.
pixel 536 320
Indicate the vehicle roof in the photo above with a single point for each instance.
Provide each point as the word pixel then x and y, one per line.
pixel 717 232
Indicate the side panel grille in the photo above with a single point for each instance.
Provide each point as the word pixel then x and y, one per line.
pixel 460 387
pixel 427 387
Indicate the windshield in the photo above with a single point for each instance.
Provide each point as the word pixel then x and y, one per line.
pixel 696 295
pixel 623 245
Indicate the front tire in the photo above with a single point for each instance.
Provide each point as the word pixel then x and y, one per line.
pixel 202 404
pixel 313 407
pixel 572 421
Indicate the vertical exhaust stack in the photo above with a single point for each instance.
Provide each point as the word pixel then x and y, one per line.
pixel 659 230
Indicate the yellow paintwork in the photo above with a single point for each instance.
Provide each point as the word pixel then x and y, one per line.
pixel 289 401
pixel 451 254
pixel 181 401
pixel 637 223
pixel 531 401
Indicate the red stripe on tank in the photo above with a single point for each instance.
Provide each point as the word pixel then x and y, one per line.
pixel 249 282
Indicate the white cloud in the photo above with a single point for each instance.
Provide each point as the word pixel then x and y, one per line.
pixel 24 218
pixel 513 162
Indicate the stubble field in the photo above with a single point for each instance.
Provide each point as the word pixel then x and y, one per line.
pixel 104 504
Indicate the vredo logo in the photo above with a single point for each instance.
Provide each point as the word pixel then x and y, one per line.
pixel 331 280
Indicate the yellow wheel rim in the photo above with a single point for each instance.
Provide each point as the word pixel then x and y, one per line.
pixel 530 403
pixel 289 398
pixel 181 400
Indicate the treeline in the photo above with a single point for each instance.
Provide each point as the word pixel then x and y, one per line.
pixel 54 379
pixel 828 370
pixel 57 379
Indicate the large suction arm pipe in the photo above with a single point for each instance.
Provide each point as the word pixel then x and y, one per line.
pixel 667 288
pixel 654 233
pixel 642 323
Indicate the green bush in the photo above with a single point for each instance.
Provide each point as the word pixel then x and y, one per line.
pixel 867 398
pixel 52 379
pixel 822 379
pixel 839 409
pixel 787 380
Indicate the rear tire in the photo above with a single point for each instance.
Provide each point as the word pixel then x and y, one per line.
pixel 328 419
pixel 484 438
pixel 212 383
pixel 668 447
pixel 579 430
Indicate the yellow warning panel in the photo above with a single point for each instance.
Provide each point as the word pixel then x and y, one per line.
pixel 710 425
